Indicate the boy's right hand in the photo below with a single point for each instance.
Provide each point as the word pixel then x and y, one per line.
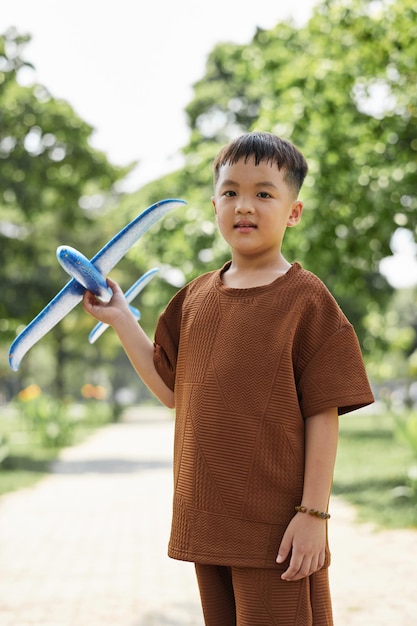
pixel 137 345
pixel 108 312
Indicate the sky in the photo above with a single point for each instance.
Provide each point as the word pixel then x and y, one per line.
pixel 128 67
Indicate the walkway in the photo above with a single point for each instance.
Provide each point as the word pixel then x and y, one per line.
pixel 87 545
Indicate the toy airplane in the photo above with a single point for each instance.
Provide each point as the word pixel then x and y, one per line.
pixel 90 275
pixel 130 295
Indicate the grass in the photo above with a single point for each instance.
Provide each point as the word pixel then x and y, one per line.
pixel 372 471
pixel 28 458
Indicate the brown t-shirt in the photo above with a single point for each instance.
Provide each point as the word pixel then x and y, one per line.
pixel 247 367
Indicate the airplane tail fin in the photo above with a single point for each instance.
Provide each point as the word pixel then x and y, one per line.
pixel 130 295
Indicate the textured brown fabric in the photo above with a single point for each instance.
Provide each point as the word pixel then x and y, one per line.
pixel 247 366
pixel 238 596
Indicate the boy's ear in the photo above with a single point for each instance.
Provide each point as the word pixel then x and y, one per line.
pixel 213 202
pixel 295 215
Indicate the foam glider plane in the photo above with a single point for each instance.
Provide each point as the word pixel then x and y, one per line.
pixel 90 275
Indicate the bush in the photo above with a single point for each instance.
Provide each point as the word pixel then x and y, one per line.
pixel 45 415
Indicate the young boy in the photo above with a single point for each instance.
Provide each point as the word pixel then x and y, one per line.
pixel 258 360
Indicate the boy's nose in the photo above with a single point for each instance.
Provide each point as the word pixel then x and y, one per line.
pixel 244 208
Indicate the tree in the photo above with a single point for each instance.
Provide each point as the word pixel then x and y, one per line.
pixel 52 185
pixel 342 88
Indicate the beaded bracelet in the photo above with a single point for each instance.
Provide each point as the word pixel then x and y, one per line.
pixel 320 514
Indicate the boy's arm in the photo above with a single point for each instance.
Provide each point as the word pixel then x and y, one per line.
pixel 306 534
pixel 137 345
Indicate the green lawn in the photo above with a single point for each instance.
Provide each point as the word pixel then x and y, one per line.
pixel 371 471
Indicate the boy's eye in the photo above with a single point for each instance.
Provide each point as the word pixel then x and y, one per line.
pixel 264 194
pixel 229 193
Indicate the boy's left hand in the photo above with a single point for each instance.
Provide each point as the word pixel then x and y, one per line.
pixel 306 536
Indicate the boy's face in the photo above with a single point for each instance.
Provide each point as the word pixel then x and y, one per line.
pixel 254 205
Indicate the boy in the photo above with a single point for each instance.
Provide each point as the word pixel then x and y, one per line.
pixel 258 360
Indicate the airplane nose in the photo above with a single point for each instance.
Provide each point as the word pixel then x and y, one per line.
pixel 84 272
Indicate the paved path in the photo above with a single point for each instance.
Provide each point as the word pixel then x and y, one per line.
pixel 87 545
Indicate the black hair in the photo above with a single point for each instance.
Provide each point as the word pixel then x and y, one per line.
pixel 267 147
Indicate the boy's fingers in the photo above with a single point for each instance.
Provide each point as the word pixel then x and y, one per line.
pixel 113 286
pixel 294 572
pixel 284 550
pixel 300 567
pixel 90 301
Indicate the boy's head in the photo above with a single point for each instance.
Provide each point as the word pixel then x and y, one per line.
pixel 269 148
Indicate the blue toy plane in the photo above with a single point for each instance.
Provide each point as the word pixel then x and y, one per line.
pixel 90 275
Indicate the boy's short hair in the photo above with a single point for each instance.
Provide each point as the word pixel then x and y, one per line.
pixel 267 147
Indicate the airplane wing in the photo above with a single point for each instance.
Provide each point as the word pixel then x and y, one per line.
pixel 49 317
pixel 73 292
pixel 117 247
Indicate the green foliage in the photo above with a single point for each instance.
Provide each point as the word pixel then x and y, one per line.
pixel 392 339
pixel 341 88
pixel 406 434
pixel 4 448
pixel 372 471
pixel 406 431
pixel 47 417
pixel 53 186
pixel 33 430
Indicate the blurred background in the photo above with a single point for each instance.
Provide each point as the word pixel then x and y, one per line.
pixel 101 115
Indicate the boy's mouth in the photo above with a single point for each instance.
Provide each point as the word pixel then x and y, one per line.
pixel 244 225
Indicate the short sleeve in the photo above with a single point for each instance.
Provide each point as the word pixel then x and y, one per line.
pixel 167 337
pixel 164 356
pixel 335 376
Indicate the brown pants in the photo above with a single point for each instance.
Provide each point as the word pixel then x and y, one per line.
pixel 239 596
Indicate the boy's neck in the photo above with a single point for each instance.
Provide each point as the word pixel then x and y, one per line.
pixel 244 274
